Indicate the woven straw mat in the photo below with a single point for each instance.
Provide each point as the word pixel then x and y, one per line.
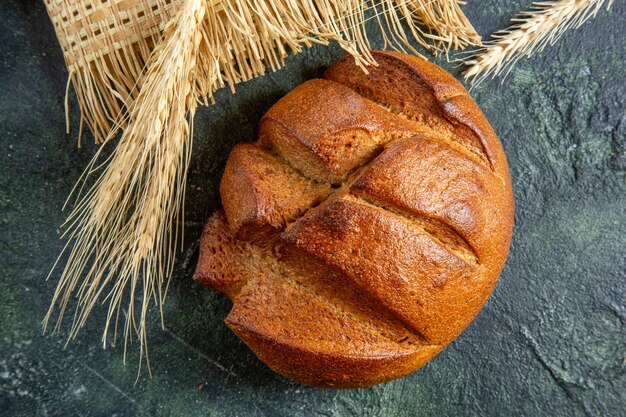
pixel 106 44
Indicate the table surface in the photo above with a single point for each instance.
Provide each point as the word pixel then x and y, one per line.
pixel 551 340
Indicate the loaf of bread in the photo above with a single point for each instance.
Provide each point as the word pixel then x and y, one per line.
pixel 365 228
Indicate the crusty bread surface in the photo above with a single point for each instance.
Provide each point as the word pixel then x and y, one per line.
pixel 365 228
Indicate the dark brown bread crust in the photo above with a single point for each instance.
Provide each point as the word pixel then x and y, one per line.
pixel 367 226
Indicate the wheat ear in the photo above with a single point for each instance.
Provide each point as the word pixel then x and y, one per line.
pixel 123 230
pixel 531 32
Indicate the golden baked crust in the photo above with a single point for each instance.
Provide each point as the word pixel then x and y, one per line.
pixel 366 227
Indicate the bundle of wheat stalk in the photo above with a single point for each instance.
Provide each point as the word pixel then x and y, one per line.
pixel 531 32
pixel 124 232
pixel 107 43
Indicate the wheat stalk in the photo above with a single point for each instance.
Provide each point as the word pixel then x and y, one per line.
pixel 531 32
pixel 123 233
pixel 121 229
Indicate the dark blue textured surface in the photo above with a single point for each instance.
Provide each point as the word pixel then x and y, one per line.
pixel 550 342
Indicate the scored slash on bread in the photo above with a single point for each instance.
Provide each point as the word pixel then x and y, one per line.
pixel 366 227
pixel 317 334
pixel 326 130
pixel 418 90
pixel 265 192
